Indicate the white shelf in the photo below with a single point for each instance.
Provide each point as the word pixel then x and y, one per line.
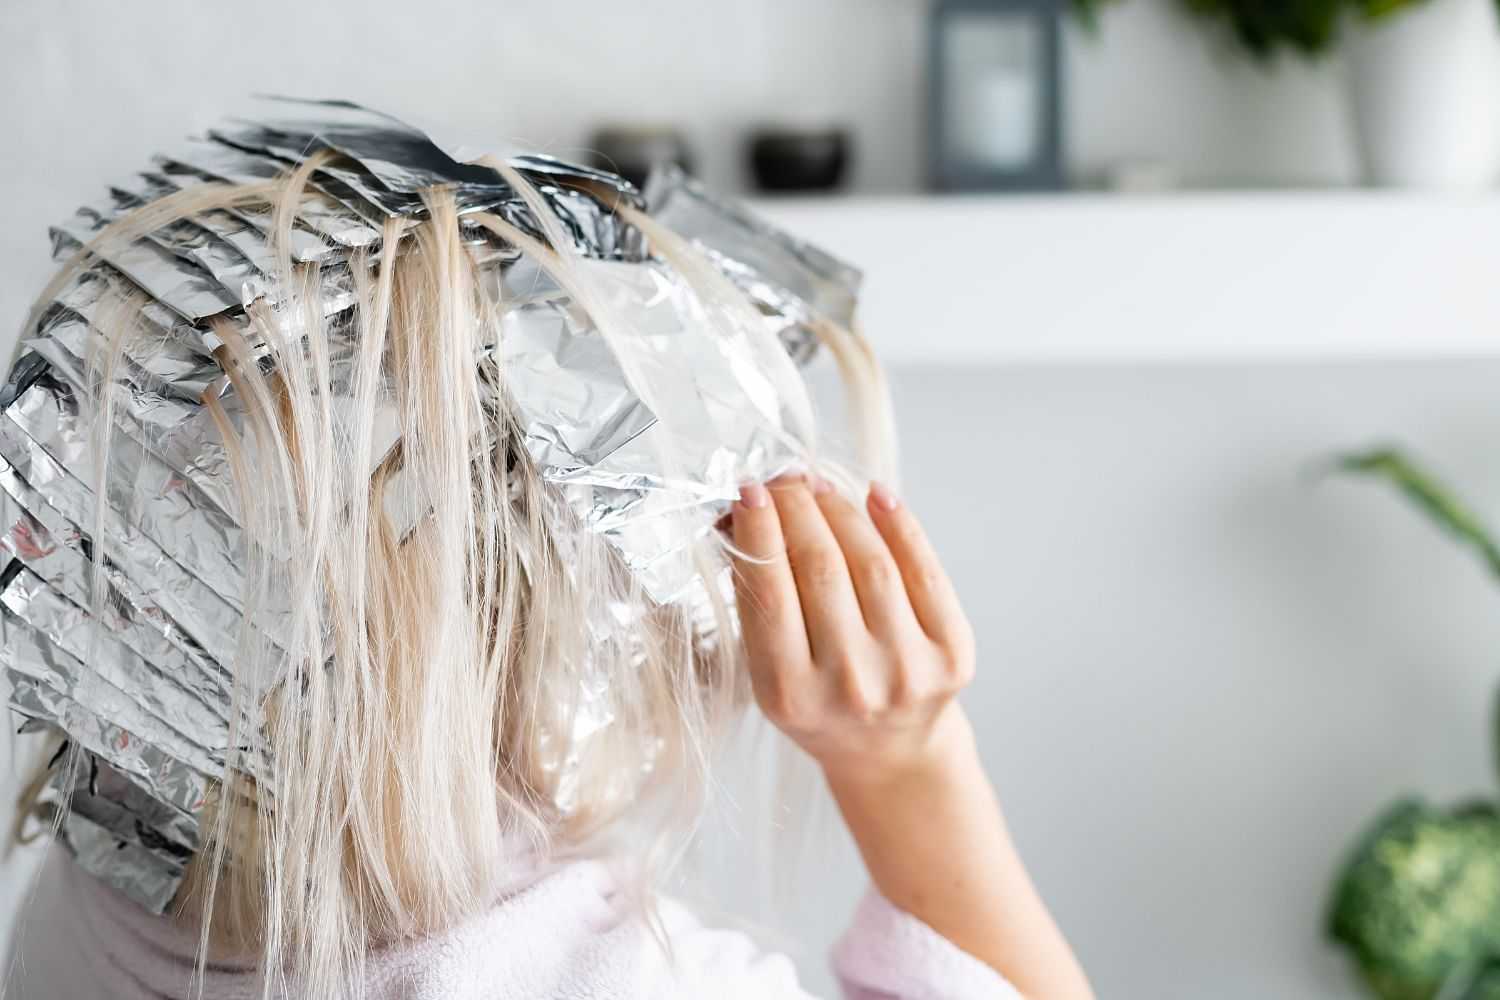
pixel 1275 276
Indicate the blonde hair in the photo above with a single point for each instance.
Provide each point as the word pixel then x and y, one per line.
pixel 446 710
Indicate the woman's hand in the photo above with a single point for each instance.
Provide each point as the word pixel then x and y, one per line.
pixel 857 646
pixel 856 640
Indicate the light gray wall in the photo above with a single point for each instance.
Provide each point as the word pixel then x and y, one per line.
pixel 1201 671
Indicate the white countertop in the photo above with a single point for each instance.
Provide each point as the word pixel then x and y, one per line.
pixel 1179 277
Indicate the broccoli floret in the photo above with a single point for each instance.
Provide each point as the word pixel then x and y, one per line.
pixel 1418 903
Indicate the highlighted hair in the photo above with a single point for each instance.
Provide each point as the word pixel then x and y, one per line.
pixel 436 714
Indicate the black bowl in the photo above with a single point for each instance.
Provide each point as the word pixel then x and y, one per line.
pixel 799 160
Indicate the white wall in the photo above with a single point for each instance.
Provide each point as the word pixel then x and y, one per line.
pixel 93 88
pixel 1200 671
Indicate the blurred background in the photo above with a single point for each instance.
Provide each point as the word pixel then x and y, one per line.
pixel 1140 269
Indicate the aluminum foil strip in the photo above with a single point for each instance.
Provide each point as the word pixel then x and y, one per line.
pixel 187 599
pixel 293 150
pixel 402 159
pixel 362 189
pixel 589 433
pixel 94 780
pixel 142 627
pixel 205 618
pixel 174 691
pixel 595 230
pixel 324 215
pixel 575 404
pixel 398 162
pixel 147 417
pixel 234 227
pixel 151 854
pixel 170 363
pixel 406 159
pixel 130 868
pixel 150 365
pixel 193 247
pixel 785 275
pixel 158 774
pixel 184 435
pixel 719 433
pixel 114 685
pixel 231 249
pixel 84 291
pixel 564 383
pixel 189 293
pixel 108 800
pixel 179 433
pixel 109 724
pixel 147 187
pixel 147 499
pixel 144 492
pixel 188 242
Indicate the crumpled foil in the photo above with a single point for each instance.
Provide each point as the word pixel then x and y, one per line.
pixel 141 684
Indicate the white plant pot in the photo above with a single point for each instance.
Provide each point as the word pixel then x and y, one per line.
pixel 1425 85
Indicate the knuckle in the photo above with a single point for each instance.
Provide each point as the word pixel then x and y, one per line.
pixel 769 605
pixel 964 644
pixel 877 575
pixel 964 672
pixel 903 692
pixel 958 666
pixel 779 699
pixel 929 577
pixel 822 569
pixel 908 532
pixel 857 698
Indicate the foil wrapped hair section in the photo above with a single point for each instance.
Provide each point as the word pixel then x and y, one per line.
pixel 141 685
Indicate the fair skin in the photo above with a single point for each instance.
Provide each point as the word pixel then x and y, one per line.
pixel 857 647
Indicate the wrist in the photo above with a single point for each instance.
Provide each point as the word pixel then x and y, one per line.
pixel 944 752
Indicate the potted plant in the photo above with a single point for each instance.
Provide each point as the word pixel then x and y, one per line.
pixel 1423 76
pixel 1417 902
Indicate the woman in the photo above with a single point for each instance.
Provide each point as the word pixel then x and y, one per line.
pixel 361 507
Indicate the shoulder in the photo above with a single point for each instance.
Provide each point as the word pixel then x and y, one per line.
pixel 704 961
pixel 572 933
pixel 567 934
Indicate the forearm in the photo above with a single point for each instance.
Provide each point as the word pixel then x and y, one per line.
pixel 935 844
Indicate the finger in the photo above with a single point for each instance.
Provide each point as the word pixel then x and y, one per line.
pixel 877 579
pixel 770 613
pixel 829 606
pixel 932 596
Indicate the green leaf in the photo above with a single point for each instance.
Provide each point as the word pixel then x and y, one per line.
pixel 1375 10
pixel 1265 28
pixel 1429 496
pixel 1495 732
pixel 1087 13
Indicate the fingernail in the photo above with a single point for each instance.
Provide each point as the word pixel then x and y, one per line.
pixel 753 495
pixel 883 498
pixel 819 484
